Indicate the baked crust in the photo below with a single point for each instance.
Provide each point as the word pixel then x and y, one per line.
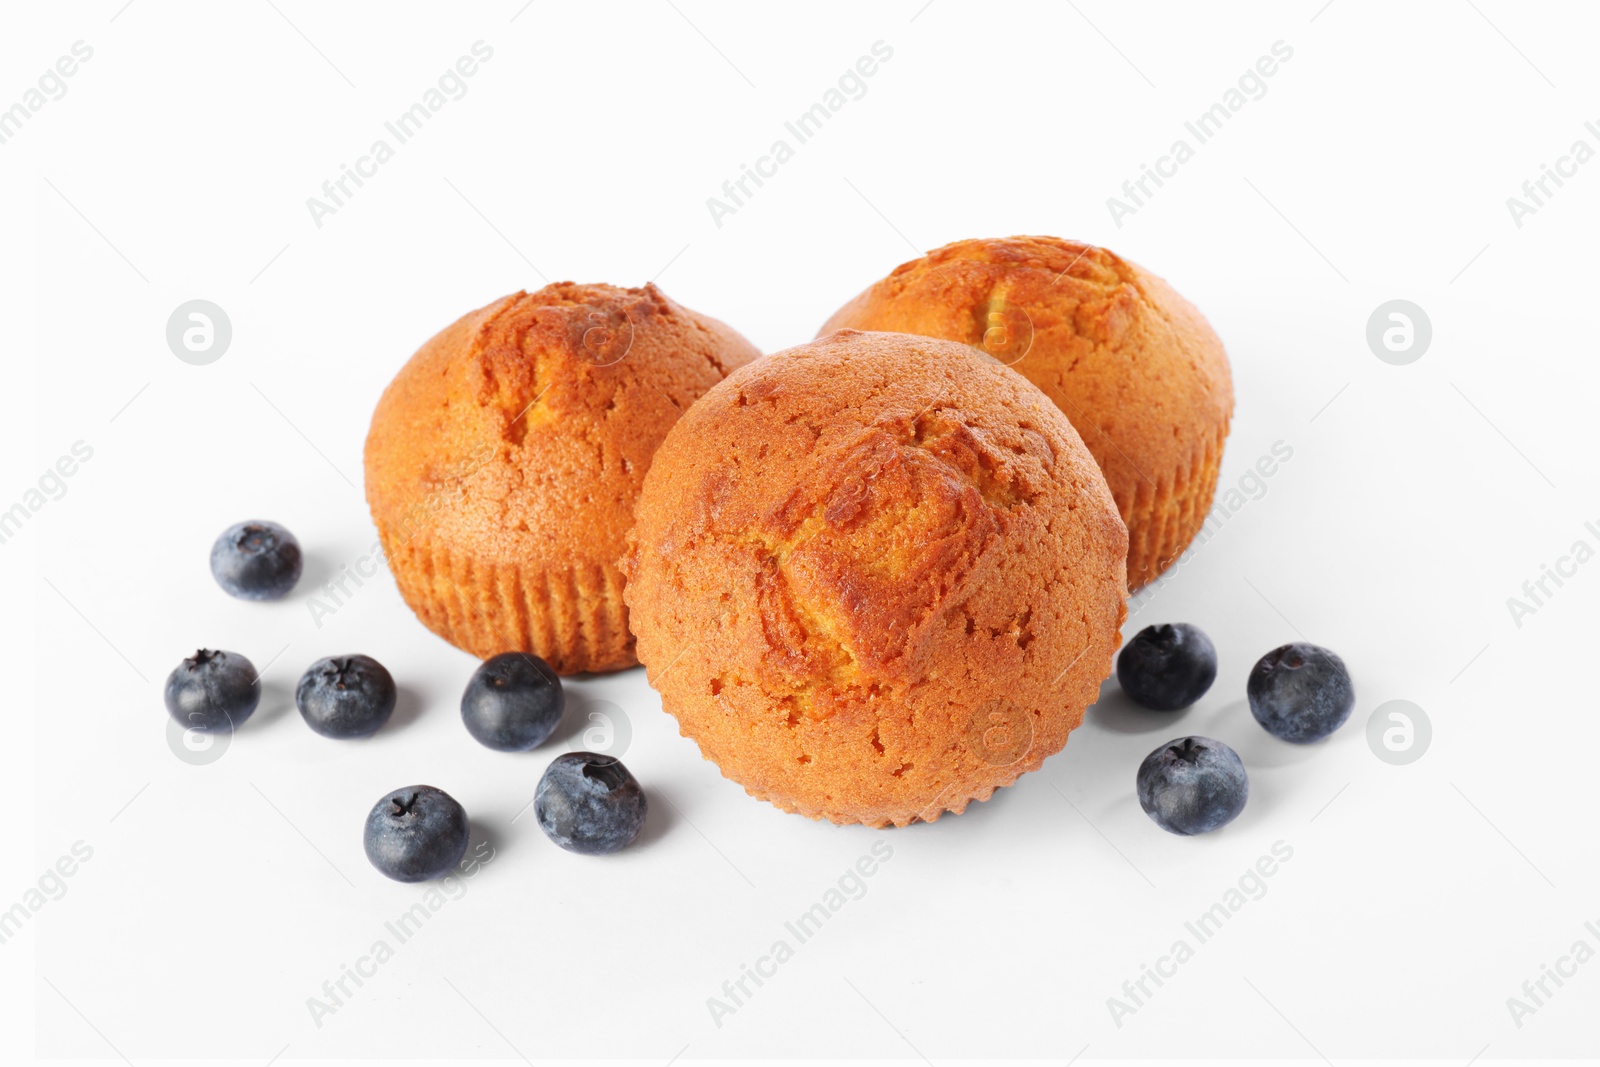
pixel 876 577
pixel 1135 367
pixel 505 458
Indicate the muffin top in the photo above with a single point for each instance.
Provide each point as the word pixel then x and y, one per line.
pixel 522 432
pixel 1135 366
pixel 876 576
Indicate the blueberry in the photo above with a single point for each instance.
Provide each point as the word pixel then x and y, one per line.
pixel 1167 667
pixel 1192 785
pixel 213 691
pixel 416 833
pixel 345 696
pixel 589 803
pixel 1300 692
pixel 513 702
pixel 256 561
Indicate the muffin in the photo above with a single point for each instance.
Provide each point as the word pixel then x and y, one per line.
pixel 1133 365
pixel 505 459
pixel 876 577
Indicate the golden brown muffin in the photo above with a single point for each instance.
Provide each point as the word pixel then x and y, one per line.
pixel 505 459
pixel 876 577
pixel 1134 366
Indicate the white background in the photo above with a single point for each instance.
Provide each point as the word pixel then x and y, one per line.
pixel 1418 499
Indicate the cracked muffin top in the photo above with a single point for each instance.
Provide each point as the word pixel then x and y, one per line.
pixel 1133 365
pixel 875 577
pixel 529 424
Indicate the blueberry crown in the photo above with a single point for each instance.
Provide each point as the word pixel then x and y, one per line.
pixel 1188 750
pixel 607 771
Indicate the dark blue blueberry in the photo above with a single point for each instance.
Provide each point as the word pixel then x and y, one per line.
pixel 256 561
pixel 1192 785
pixel 213 691
pixel 1167 667
pixel 345 696
pixel 589 803
pixel 416 833
pixel 1300 692
pixel 513 702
